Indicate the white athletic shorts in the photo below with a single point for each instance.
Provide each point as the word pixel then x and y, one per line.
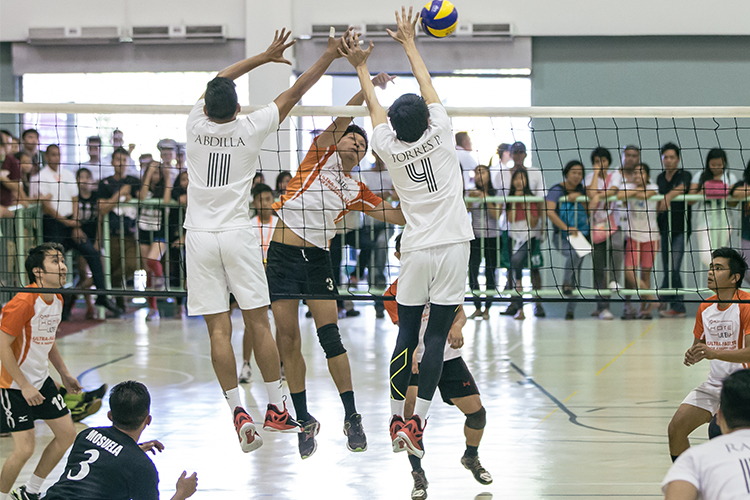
pixel 705 396
pixel 436 275
pixel 223 262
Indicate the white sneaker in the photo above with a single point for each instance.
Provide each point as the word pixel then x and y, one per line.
pixel 245 373
pixel 606 314
pixel 613 285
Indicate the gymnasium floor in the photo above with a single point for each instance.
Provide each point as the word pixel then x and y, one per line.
pixel 576 409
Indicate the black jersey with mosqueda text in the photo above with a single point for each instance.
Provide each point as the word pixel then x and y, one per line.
pixel 106 463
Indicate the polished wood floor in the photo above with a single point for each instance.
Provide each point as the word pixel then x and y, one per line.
pixel 576 409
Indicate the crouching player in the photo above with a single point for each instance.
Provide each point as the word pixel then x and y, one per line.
pixel 457 387
pixel 27 392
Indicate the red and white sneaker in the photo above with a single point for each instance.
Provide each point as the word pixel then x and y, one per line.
pixel 250 440
pixel 280 421
pixel 397 423
pixel 411 434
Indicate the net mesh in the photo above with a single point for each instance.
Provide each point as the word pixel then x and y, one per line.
pixel 629 244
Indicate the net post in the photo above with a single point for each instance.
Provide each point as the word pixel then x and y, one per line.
pixel 121 240
pixel 165 224
pixel 107 252
pixel 21 243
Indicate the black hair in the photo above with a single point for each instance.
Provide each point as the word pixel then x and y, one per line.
pixel 632 147
pixel 409 117
pixel 52 146
pixel 6 132
pixel 670 145
pixel 259 175
pixel 120 151
pixel 94 138
pixel 356 129
pixel 221 98
pixel 280 178
pixel 491 191
pixel 713 154
pixel 502 148
pixel 600 152
pixel 526 188
pixel 737 262
pixel 130 403
pixel 569 166
pixel 29 131
pixel 735 399
pixel 398 242
pixel 81 171
pixel 645 167
pixel 746 174
pixel 36 256
pixel 259 189
pixel 20 154
pixel 461 137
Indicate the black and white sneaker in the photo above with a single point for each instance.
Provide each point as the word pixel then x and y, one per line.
pixel 307 443
pixel 22 494
pixel 419 492
pixel 479 472
pixel 355 434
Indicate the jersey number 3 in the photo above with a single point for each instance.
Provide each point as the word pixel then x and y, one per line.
pixel 218 169
pixel 85 469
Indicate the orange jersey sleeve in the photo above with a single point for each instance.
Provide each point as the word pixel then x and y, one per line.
pixel 306 173
pixel 698 330
pixel 17 314
pixel 744 317
pixel 365 201
pixel 390 305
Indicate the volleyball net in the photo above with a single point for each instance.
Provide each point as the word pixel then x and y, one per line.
pixel 545 239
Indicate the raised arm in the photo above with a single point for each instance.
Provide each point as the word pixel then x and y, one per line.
pixel 358 58
pixel 288 99
pixel 405 35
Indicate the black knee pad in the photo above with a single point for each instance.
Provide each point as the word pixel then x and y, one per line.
pixel 477 420
pixel 713 429
pixel 330 340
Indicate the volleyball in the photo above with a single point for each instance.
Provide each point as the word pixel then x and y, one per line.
pixel 439 18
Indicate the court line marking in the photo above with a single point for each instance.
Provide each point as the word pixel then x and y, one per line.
pixel 89 370
pixel 623 351
pixel 553 411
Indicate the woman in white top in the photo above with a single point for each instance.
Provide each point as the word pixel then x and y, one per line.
pixel 714 221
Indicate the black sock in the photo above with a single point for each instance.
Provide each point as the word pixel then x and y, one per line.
pixel 299 399
pixel 416 463
pixel 348 399
pixel 471 451
pixel 674 457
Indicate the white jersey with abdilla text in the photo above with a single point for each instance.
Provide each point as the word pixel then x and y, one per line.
pixel 427 176
pixel 221 160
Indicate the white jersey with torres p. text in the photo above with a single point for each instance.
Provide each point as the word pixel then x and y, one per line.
pixel 221 161
pixel 427 177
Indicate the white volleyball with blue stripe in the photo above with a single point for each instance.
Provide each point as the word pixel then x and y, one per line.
pixel 439 18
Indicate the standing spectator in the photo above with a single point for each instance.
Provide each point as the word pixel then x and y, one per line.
pixel 643 237
pixel 167 150
pixel 258 178
pixel 99 168
pixel 144 161
pixel 177 240
pixel 86 212
pixel 569 218
pixel 600 185
pixel 500 161
pixel 465 152
pixel 714 220
pixel 484 217
pixel 30 139
pixel 536 185
pixel 629 159
pixel 56 187
pixel 741 191
pixel 119 142
pixel 151 227
pixel 281 182
pixel 11 189
pixel 27 166
pixel 523 217
pixel 675 223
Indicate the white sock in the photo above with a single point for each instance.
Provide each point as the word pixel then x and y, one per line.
pixel 397 407
pixel 233 398
pixel 275 396
pixel 35 484
pixel 421 407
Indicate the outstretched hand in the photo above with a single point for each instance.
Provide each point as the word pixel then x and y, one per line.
pixel 152 446
pixel 354 53
pixel 382 79
pixel 275 51
pixel 335 44
pixel 407 27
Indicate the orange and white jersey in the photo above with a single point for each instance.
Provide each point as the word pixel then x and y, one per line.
pixel 33 322
pixel 319 196
pixel 723 330
pixel 265 232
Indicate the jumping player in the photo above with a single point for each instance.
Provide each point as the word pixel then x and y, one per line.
pixel 27 392
pixel 423 164
pixel 299 263
pixel 223 251
pixel 108 462
pixel 457 387
pixel 720 330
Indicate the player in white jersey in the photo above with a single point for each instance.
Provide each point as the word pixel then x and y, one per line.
pixel 27 392
pixel 223 251
pixel 719 469
pixel 720 329
pixel 426 174
pixel 299 263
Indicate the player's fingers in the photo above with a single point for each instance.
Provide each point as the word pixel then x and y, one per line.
pixel 184 473
pixel 369 49
pixel 341 52
pixel 391 33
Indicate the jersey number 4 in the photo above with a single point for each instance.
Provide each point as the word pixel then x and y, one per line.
pixel 85 469
pixel 425 175
pixel 218 169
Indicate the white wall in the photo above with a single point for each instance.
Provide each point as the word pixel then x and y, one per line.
pixel 529 17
